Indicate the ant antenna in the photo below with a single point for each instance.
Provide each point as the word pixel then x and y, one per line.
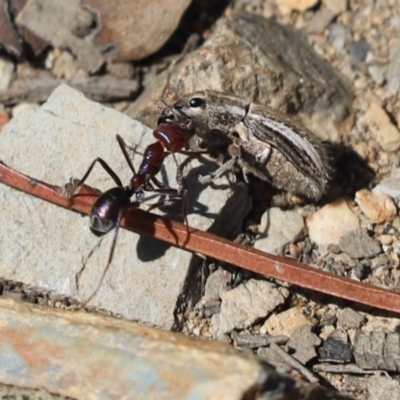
pixel 121 215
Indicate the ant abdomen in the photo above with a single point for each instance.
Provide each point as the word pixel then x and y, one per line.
pixel 106 209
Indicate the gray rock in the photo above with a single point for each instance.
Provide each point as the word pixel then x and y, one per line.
pixel 320 21
pixel 348 318
pixel 303 341
pixel 63 20
pixel 53 249
pixel 377 73
pixel 358 244
pixel 246 304
pixel 216 284
pixel 390 185
pixel 393 75
pixel 359 51
pixel 247 56
pixel 337 36
pixel 336 6
pixel 135 30
pixel 139 362
pixel 383 388
pixel 277 229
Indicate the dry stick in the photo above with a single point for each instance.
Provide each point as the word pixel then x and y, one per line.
pixel 291 361
pixel 213 246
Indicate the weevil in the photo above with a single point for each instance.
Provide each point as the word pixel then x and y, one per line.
pixel 261 140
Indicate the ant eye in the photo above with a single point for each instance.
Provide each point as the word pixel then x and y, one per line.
pixel 196 102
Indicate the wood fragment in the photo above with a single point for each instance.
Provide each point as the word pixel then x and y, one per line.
pixel 102 89
pixel 341 369
pixel 291 361
pixel 254 341
pixel 175 233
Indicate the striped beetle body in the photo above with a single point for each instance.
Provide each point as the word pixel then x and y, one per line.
pixel 263 141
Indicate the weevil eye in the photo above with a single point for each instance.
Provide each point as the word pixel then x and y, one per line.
pixel 196 102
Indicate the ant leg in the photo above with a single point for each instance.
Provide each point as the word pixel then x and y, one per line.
pixel 185 207
pixel 107 168
pixel 182 192
pixel 194 153
pixel 226 167
pixel 121 214
pixel 71 189
pixel 124 150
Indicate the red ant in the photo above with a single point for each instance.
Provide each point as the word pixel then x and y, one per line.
pixel 111 206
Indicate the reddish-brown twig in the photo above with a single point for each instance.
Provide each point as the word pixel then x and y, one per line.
pixel 210 245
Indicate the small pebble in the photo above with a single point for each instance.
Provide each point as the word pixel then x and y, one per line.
pixel 285 322
pixel 377 206
pixel 359 51
pixel 331 222
pixel 381 128
pixel 358 244
pixel 385 240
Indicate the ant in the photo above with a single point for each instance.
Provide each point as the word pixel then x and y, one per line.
pixel 111 206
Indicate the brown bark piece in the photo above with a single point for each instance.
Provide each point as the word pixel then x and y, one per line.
pixel 216 247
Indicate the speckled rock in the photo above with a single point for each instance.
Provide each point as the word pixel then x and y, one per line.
pixel 378 207
pixel 331 222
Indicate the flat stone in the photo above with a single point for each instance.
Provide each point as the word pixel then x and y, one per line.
pixel 378 207
pixel 358 244
pixel 393 74
pixel 390 185
pixel 277 229
pixel 348 318
pixel 320 21
pixel 382 129
pixel 136 29
pixel 304 342
pixel 243 306
pixel 381 324
pixel 63 20
pixel 285 322
pixel 377 73
pixel 52 249
pixel 383 388
pixel 83 356
pixel 331 222
pixel 336 6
